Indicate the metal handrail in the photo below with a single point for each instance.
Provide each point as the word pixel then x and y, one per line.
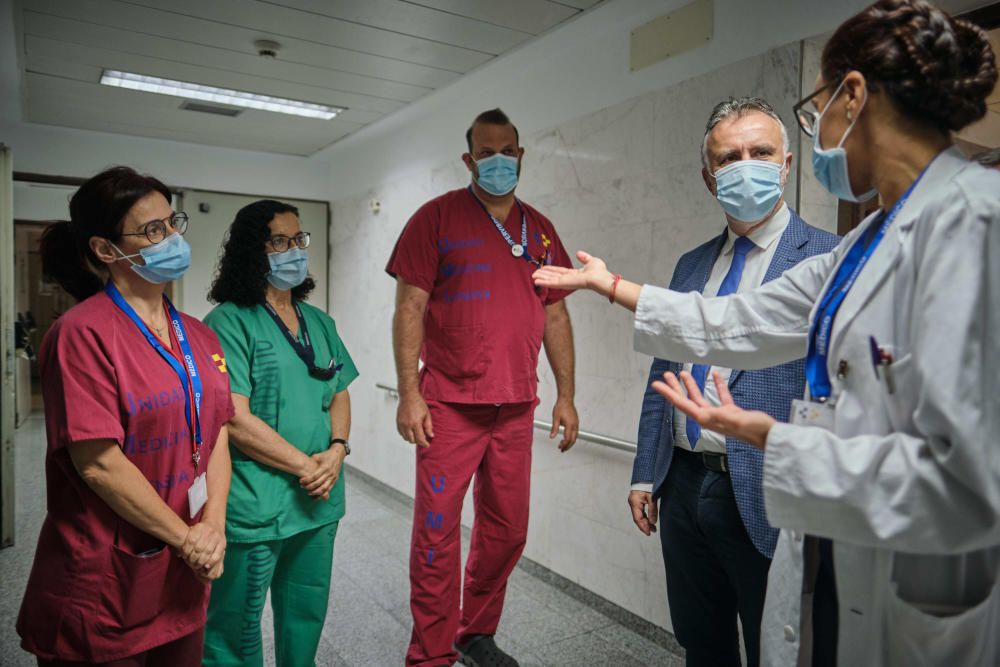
pixel 392 391
pixel 595 438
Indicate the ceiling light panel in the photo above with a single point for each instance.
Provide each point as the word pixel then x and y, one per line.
pixel 196 91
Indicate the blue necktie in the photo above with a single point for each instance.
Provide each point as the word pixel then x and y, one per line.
pixel 729 285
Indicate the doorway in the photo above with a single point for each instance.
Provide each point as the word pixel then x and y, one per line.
pixel 38 304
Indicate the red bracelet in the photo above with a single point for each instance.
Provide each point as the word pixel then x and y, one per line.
pixel 614 287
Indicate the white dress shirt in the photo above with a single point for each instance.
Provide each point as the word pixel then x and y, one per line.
pixel 765 240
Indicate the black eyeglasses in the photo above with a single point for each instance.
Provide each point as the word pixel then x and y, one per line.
pixel 156 230
pixel 808 117
pixel 281 243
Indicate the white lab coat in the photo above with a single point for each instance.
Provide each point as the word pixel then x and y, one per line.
pixel 908 483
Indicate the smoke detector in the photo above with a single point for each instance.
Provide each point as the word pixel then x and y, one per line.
pixel 266 48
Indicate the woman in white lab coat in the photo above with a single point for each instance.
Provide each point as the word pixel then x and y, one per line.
pixel 887 484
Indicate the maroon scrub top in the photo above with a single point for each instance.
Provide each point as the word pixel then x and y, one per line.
pixel 485 318
pixel 101 589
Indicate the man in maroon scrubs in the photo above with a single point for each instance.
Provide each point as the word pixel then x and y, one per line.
pixel 466 306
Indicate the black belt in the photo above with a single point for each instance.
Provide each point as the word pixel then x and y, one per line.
pixel 711 460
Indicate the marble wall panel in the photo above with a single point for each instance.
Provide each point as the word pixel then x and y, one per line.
pixel 610 144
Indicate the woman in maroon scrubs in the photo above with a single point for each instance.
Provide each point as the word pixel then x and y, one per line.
pixel 137 472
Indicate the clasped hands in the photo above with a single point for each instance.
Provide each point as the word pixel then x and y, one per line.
pixel 203 550
pixel 204 546
pixel 322 472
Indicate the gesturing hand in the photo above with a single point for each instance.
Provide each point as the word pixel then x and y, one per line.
pixel 727 419
pixel 592 275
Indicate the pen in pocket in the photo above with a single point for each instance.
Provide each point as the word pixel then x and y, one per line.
pixel 882 359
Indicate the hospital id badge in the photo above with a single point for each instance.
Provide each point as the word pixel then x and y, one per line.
pixel 811 413
pixel 198 494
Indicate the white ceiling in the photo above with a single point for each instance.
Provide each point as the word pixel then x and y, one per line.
pixel 371 56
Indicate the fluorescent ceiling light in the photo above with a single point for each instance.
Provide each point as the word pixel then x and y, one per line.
pixel 236 98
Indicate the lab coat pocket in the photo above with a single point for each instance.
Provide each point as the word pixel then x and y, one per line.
pixel 915 637
pixel 131 594
pixel 898 392
pixel 457 352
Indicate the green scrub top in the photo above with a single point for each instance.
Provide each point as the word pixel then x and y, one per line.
pixel 265 503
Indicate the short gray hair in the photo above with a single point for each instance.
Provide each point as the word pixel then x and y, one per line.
pixel 988 158
pixel 737 107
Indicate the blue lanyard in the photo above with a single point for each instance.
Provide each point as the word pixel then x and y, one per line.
pixel 183 374
pixel 503 230
pixel 817 373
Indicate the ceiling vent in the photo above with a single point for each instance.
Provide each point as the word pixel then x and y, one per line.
pixel 212 109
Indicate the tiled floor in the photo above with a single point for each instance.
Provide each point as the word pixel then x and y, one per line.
pixel 368 623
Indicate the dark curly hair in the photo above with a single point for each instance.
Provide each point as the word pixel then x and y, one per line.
pixel 96 209
pixel 242 274
pixel 936 69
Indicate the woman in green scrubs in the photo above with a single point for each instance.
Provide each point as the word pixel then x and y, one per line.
pixel 289 373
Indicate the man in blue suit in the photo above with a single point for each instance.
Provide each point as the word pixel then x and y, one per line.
pixel 717 543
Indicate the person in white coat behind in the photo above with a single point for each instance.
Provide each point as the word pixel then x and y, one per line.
pixel 887 483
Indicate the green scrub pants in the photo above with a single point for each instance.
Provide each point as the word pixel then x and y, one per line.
pixel 297 571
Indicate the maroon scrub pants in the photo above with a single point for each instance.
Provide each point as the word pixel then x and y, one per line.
pixel 494 443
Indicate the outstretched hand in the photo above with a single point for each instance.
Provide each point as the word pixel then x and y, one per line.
pixel 728 418
pixel 592 275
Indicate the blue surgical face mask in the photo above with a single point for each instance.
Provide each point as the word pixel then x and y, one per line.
pixel 288 269
pixel 830 164
pixel 748 190
pixel 497 174
pixel 166 261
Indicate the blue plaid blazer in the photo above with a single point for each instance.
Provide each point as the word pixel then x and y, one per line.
pixel 770 390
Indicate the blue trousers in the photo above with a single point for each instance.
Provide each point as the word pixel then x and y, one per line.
pixel 714 572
